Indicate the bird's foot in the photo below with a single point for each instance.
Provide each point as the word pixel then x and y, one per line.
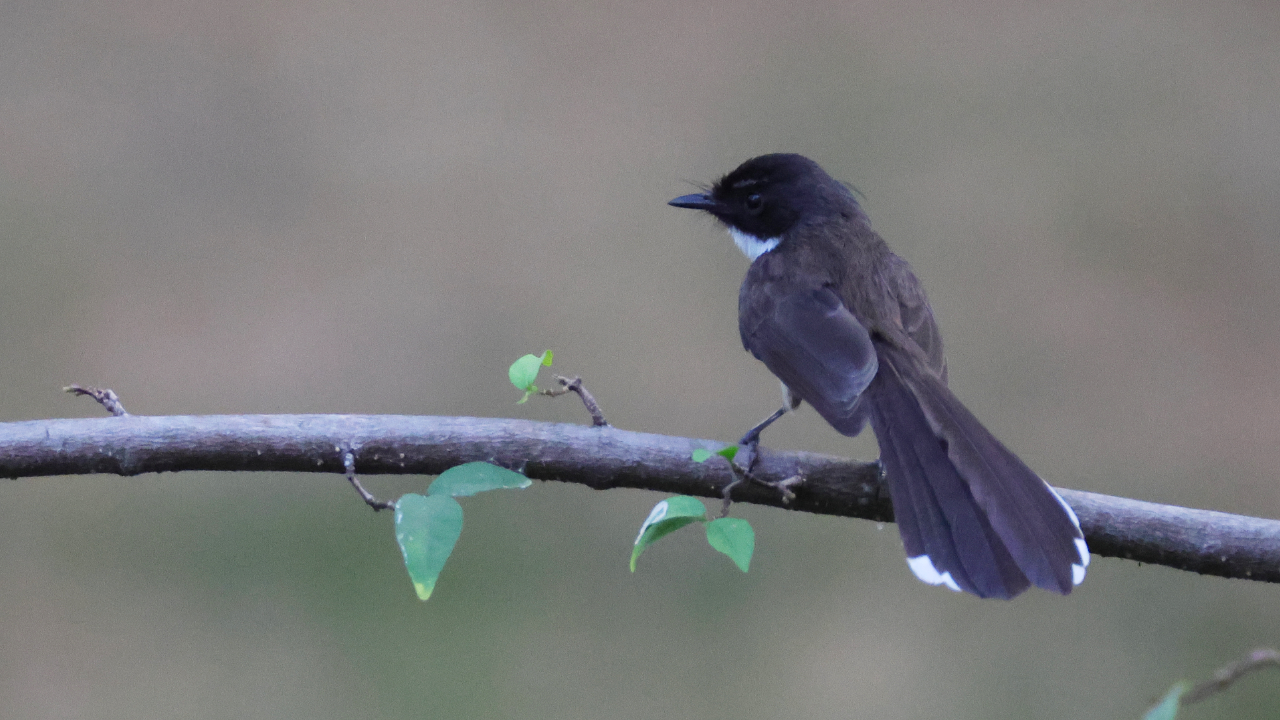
pixel 784 486
pixel 748 453
pixel 745 460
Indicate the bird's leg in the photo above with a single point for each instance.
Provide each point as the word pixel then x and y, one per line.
pixel 748 450
pixel 746 457
pixel 750 442
pixel 753 435
pixel 748 453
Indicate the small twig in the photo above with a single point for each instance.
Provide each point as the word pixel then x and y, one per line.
pixel 349 462
pixel 105 397
pixel 574 385
pixel 1258 659
pixel 740 476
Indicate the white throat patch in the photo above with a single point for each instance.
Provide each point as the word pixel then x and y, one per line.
pixel 750 245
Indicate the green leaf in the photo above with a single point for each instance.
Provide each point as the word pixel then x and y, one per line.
pixel 524 371
pixel 665 518
pixel 427 528
pixel 733 537
pixel 546 358
pixel 728 453
pixel 474 477
pixel 1168 707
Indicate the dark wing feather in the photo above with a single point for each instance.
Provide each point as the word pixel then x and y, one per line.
pixel 815 346
pixel 917 316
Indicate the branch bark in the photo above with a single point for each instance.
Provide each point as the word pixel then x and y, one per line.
pixel 1202 541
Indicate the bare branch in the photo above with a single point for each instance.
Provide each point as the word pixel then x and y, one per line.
pixel 1258 659
pixel 1202 541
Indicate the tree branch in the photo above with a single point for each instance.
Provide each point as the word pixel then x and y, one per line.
pixel 1202 541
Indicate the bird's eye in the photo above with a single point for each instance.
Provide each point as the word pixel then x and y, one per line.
pixel 754 203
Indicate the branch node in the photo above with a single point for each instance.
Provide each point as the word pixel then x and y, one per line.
pixel 574 385
pixel 349 464
pixel 105 396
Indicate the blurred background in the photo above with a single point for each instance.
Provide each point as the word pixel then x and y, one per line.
pixel 265 207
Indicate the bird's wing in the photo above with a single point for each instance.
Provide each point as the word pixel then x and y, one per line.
pixel 917 318
pixel 815 346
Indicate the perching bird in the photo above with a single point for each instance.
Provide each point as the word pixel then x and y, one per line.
pixel 846 327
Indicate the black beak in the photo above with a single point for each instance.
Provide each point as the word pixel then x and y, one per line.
pixel 694 202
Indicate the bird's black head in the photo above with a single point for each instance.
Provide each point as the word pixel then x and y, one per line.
pixel 767 195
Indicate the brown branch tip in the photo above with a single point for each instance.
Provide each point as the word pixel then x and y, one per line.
pixel 105 396
pixel 574 385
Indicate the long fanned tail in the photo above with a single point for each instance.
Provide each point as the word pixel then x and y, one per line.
pixel 971 514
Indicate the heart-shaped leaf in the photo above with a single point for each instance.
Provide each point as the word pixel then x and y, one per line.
pixel 665 518
pixel 733 537
pixel 427 528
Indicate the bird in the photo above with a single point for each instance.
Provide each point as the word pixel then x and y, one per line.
pixel 845 324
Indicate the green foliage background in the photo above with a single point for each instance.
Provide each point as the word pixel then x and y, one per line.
pixel 325 207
